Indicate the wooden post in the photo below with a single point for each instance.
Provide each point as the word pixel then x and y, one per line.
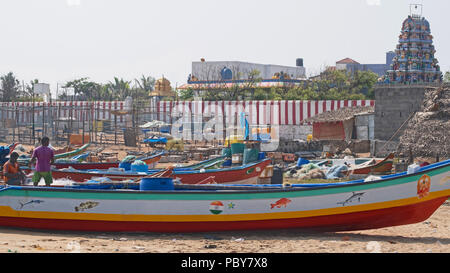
pixel 32 116
pixel 82 122
pixel 115 129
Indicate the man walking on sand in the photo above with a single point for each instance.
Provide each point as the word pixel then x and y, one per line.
pixel 45 158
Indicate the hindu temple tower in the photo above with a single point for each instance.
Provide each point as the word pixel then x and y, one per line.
pixel 414 60
pixel 414 69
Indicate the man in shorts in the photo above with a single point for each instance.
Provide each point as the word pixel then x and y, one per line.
pixel 45 158
pixel 12 174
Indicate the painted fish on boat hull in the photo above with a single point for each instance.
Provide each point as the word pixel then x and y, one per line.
pixel 355 196
pixel 31 202
pixel 282 202
pixel 86 205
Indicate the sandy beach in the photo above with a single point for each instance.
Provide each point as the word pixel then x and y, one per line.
pixel 430 236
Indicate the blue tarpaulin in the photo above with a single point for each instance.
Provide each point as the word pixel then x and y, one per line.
pixel 160 140
pixel 336 171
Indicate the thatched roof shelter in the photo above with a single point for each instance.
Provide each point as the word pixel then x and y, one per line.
pixel 340 114
pixel 427 133
pixel 337 124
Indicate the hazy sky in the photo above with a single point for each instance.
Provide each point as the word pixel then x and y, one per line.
pixel 59 40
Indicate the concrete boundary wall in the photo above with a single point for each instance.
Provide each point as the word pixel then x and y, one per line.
pixel 395 104
pixel 257 112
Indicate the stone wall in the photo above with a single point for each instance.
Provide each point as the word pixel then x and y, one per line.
pixel 394 105
pixel 382 148
pixel 295 132
pixel 356 146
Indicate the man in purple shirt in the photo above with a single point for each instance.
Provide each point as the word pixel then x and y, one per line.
pixel 45 158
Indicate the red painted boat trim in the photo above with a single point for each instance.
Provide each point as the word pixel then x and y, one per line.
pixel 342 222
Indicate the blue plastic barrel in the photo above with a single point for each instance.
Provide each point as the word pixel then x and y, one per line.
pixel 261 155
pixel 227 163
pixel 125 165
pixel 156 184
pixel 139 168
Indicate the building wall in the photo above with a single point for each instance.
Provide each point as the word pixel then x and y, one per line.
pixel 365 125
pixel 282 112
pixel 379 69
pixel 295 132
pixel 395 104
pixel 210 71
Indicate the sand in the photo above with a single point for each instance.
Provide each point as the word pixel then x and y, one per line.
pixel 430 236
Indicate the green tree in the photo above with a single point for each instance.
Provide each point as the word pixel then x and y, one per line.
pixel 119 89
pixel 260 94
pixel 86 90
pixel 26 92
pixel 146 83
pixel 143 87
pixel 245 90
pixel 10 87
pixel 364 82
pixel 187 94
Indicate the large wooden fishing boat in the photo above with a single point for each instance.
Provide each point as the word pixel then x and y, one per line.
pixel 247 173
pixel 356 205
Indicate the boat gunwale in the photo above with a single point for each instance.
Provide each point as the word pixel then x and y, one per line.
pixel 427 169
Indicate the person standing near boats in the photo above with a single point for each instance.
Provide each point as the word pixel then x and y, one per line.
pixel 12 174
pixel 45 158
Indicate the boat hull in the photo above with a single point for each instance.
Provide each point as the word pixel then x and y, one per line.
pixel 394 200
pixel 404 215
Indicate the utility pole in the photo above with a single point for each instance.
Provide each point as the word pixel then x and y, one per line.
pixel 32 116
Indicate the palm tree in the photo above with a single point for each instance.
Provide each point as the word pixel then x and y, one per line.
pixel 120 89
pixel 143 87
pixel 10 87
pixel 146 84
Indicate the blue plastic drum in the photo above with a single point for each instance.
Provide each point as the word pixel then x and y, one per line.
pixel 156 184
pixel 139 168
pixel 125 165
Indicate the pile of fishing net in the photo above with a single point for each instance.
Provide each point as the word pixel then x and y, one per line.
pixel 427 132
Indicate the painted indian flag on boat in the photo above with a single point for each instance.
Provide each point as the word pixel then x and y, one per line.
pixel 216 207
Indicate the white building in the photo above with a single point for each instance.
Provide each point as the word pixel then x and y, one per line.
pixel 235 70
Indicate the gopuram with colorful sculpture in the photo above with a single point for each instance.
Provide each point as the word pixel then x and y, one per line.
pixel 414 61
pixel 400 93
